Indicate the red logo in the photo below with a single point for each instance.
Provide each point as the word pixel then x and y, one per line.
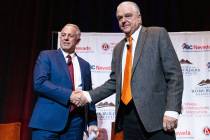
pixel 206 131
pixel 105 46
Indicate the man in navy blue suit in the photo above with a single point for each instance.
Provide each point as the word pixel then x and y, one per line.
pixel 54 116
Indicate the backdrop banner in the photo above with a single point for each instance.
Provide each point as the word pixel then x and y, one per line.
pixel 193 50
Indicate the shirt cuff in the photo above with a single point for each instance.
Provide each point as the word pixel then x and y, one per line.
pixel 87 95
pixel 173 114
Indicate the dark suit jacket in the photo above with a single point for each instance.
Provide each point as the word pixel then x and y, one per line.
pixel 52 84
pixel 157 80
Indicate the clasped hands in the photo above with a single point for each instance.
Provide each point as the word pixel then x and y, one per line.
pixel 78 98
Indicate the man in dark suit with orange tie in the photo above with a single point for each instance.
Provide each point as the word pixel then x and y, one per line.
pixel 57 74
pixel 147 78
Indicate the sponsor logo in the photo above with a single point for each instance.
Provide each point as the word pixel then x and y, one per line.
pixel 204 82
pixel 105 104
pixel 208 66
pixel 190 109
pixel 107 48
pixel 188 69
pixel 183 61
pixel 105 114
pixel 184 133
pixel 202 88
pixel 84 49
pixel 206 131
pixel 97 68
pixel 194 47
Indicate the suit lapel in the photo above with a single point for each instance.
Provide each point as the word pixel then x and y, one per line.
pixel 63 64
pixel 139 47
pixel 82 70
pixel 119 61
pixel 121 54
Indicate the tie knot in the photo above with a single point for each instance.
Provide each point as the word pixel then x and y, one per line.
pixel 130 42
pixel 69 59
pixel 130 38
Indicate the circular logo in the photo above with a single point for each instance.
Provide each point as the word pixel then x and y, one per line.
pixel 105 46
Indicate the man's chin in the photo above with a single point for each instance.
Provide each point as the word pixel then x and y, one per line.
pixel 65 47
pixel 126 31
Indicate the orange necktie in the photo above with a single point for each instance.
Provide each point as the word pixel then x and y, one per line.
pixel 126 90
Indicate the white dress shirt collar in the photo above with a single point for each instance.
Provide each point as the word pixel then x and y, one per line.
pixel 65 54
pixel 136 34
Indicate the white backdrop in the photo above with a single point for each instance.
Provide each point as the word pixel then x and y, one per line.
pixel 193 50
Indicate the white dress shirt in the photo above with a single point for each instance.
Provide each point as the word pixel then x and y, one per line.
pixel 77 71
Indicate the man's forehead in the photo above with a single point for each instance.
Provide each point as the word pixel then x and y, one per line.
pixel 126 13
pixel 125 10
pixel 68 29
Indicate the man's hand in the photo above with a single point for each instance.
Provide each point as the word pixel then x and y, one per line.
pixel 75 97
pixel 93 130
pixel 78 98
pixel 169 123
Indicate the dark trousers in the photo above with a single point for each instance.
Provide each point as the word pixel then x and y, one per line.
pixel 73 131
pixel 134 129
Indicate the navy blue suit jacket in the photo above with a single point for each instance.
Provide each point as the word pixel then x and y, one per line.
pixel 52 84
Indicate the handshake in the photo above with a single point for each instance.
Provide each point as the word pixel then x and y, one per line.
pixel 80 98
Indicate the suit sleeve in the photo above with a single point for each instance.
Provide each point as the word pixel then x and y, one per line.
pixel 109 87
pixel 92 116
pixel 90 110
pixel 172 72
pixel 44 86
